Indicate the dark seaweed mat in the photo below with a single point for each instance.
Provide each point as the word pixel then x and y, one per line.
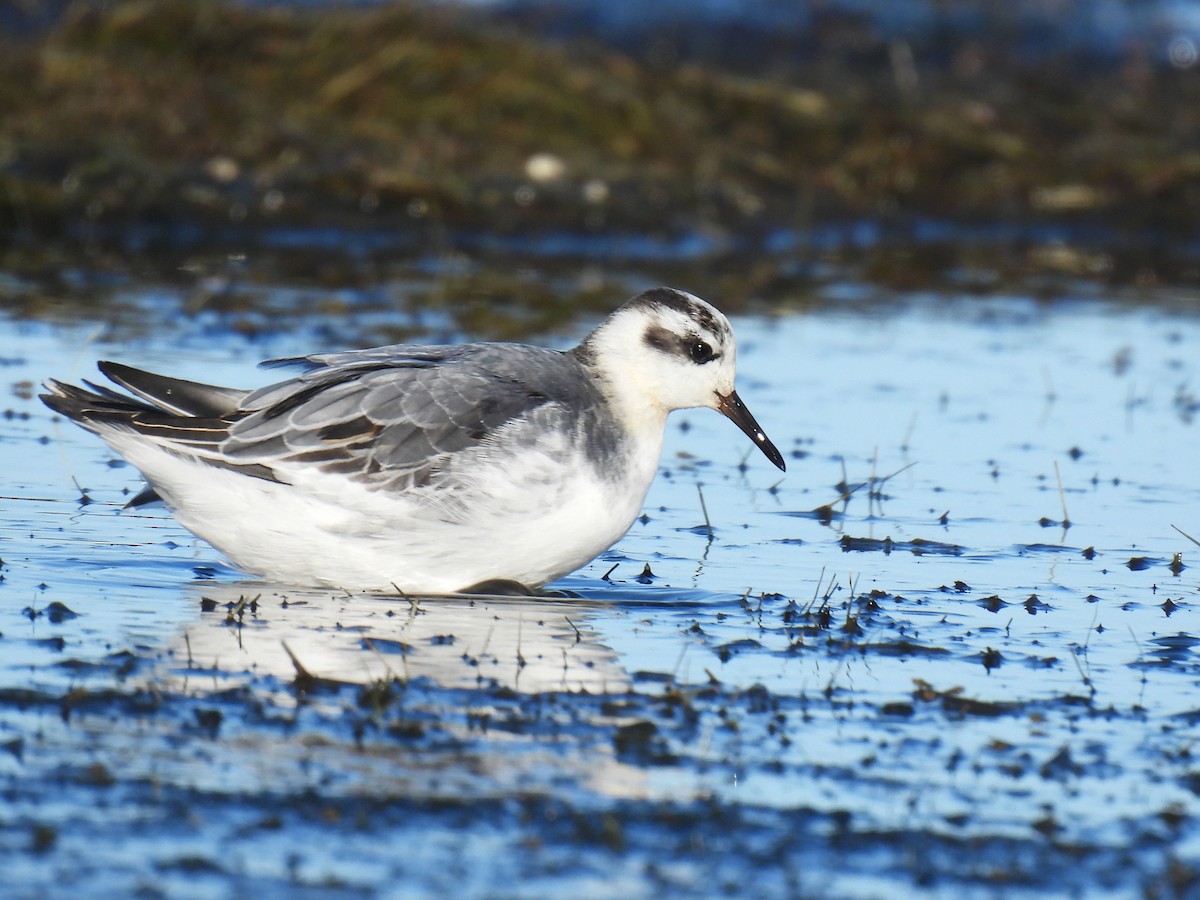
pixel 465 791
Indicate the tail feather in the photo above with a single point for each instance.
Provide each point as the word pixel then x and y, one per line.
pixel 179 416
pixel 91 405
pixel 94 405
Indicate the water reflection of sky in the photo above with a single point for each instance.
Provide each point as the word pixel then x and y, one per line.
pixel 940 410
pixel 973 409
pixel 969 408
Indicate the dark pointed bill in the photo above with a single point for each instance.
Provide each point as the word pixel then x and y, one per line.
pixel 735 410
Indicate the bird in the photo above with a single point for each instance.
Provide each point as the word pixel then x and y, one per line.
pixel 425 469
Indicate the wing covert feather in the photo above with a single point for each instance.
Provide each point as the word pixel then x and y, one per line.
pixel 383 417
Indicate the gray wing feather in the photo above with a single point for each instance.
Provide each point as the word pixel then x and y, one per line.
pixel 397 413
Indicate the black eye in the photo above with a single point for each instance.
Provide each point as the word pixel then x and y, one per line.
pixel 700 352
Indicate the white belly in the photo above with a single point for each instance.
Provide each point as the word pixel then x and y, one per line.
pixel 529 518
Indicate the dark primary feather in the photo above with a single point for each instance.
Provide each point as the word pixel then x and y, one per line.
pixel 186 398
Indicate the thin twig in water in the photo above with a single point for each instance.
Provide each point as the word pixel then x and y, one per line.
pixel 1062 497
pixel 83 494
pixel 1186 535
pixel 370 645
pixel 678 663
pixel 1142 693
pixel 872 494
pixel 486 641
pixel 844 487
pixel 912 426
pixel 816 590
pixel 1086 680
pixel 704 509
pixel 520 658
pixel 904 468
pixel 1091 630
pixel 301 672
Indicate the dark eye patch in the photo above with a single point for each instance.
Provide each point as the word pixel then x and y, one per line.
pixel 691 347
pixel 659 338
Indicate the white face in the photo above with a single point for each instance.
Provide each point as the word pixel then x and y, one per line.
pixel 667 350
pixel 676 350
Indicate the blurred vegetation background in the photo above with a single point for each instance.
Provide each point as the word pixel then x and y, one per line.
pixel 970 134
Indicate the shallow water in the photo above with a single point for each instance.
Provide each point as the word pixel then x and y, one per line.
pixel 910 664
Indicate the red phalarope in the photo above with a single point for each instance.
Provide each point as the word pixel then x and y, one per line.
pixel 428 469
